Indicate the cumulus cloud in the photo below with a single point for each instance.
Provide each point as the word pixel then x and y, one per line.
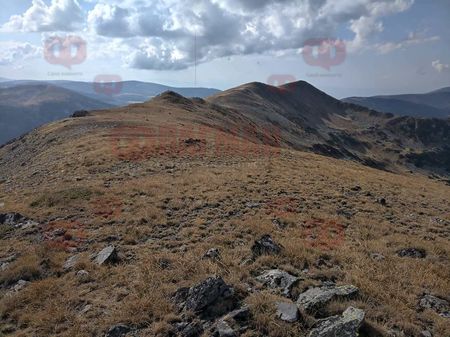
pixel 174 34
pixel 440 67
pixel 60 15
pixel 12 51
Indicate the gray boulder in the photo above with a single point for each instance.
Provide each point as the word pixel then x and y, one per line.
pixel 119 330
pixel 213 254
pixel 107 255
pixel 437 304
pixel 346 325
pixel 265 246
pixel 316 298
pixel 21 284
pixel 278 279
pixel 415 253
pixel 287 312
pixel 223 329
pixel 212 297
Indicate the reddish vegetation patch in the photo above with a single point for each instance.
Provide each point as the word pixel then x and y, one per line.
pixel 107 207
pixel 63 234
pixel 325 234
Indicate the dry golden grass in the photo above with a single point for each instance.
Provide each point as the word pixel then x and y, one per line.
pixel 163 211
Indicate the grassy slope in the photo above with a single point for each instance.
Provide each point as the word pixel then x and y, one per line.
pixel 161 200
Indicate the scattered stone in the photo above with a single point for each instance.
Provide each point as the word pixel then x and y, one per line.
pixel 223 329
pixel 16 220
pixel 416 253
pixel 278 279
pixel 11 219
pixel 80 113
pixel 82 275
pixel 382 201
pixel 252 204
pixel 86 309
pixel 4 266
pixel 346 325
pixel 316 298
pixel 211 297
pixel 193 329
pixel 287 312
pixel 213 254
pixel 21 284
pixel 71 262
pixel 107 255
pixel 119 330
pixel 426 333
pixel 265 246
pixel 239 315
pixel 377 256
pixel 437 304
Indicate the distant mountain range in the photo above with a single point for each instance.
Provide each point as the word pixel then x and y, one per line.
pixel 27 104
pixel 118 94
pixel 22 108
pixel 435 104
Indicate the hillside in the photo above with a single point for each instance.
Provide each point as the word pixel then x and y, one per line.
pixel 308 119
pixel 191 217
pixel 435 104
pixel 25 107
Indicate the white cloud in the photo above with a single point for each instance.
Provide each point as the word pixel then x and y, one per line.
pixel 12 52
pixel 60 15
pixel 172 34
pixel 412 39
pixel 440 67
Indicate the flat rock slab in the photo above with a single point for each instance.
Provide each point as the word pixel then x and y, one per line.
pixel 278 279
pixel 316 298
pixel 107 255
pixel 346 325
pixel 71 262
pixel 287 312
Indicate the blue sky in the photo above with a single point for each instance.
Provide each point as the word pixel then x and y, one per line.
pixel 344 47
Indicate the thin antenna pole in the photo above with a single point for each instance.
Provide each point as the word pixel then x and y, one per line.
pixel 195 58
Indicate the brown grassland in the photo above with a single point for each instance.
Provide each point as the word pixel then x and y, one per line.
pixel 164 201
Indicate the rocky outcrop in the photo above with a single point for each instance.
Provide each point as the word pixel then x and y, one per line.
pixel 278 279
pixel 265 246
pixel 212 297
pixel 416 253
pixel 315 298
pixel 346 325
pixel 437 304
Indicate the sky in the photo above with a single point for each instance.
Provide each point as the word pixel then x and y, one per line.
pixel 343 47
